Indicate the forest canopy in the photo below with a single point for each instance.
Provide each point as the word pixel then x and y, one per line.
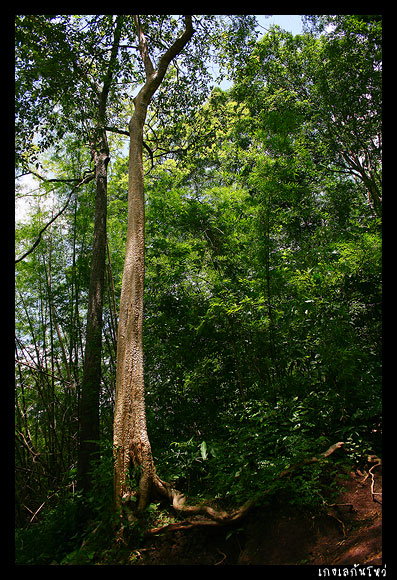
pixel 198 270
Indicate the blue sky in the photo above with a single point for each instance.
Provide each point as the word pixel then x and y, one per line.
pixel 291 23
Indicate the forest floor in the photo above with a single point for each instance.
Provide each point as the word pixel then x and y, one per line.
pixel 283 534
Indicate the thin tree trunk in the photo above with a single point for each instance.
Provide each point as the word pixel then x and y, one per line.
pixel 90 387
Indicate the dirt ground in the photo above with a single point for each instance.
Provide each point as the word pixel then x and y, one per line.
pixel 349 532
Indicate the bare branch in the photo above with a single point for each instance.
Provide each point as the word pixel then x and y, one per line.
pixel 110 70
pixel 52 180
pixel 149 68
pixel 122 132
pixel 42 371
pixel 85 180
pixel 119 131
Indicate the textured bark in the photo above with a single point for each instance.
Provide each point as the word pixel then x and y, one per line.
pixel 130 438
pixel 91 381
pixel 90 387
pixel 130 434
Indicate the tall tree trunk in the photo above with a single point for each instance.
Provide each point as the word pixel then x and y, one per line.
pixel 130 439
pixel 130 433
pixel 90 387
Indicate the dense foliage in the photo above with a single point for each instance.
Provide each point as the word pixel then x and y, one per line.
pixel 262 328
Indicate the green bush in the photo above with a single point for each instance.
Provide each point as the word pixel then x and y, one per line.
pixel 50 539
pixel 57 537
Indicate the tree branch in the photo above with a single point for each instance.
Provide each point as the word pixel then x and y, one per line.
pixel 149 68
pixel 176 47
pixel 53 180
pixel 109 73
pixel 42 371
pixel 122 132
pixel 83 181
pixel 309 460
pixel 155 77
pixel 115 130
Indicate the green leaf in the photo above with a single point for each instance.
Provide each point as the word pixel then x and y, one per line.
pixel 203 450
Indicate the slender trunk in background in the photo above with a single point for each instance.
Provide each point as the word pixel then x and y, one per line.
pixel 90 387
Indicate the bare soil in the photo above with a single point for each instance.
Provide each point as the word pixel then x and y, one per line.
pixel 348 532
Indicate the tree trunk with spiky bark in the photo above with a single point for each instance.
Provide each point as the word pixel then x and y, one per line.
pixel 132 448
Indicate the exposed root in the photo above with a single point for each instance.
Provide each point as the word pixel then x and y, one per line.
pixel 377 464
pixel 309 460
pixel 350 505
pixel 223 557
pixel 183 525
pixel 214 517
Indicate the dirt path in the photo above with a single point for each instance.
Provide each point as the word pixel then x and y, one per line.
pixel 284 535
